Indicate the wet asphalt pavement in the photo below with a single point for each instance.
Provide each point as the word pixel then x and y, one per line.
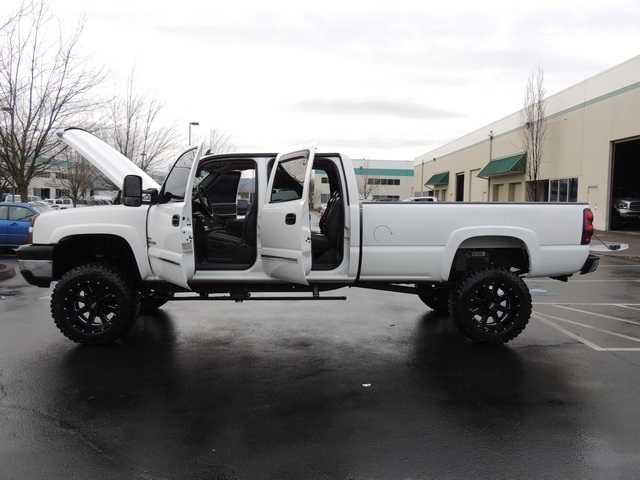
pixel 374 387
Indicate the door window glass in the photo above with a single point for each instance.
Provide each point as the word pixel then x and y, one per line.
pixel 288 183
pixel 20 214
pixel 176 182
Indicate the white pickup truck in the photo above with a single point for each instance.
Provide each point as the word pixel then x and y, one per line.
pixel 463 259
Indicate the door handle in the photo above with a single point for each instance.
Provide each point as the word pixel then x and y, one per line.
pixel 175 221
pixel 290 219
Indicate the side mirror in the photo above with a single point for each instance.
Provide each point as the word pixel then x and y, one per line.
pixel 132 191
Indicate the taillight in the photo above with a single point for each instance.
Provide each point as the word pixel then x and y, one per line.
pixel 31 224
pixel 587 226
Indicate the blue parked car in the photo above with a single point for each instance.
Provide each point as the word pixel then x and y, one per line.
pixel 14 222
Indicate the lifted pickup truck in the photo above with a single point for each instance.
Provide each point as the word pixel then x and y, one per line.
pixel 464 259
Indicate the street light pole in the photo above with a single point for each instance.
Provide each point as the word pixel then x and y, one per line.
pixel 195 124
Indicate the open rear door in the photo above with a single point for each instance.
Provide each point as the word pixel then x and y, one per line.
pixel 283 224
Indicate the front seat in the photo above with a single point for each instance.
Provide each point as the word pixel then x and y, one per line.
pixel 224 247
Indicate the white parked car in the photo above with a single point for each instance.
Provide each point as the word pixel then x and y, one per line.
pixel 59 203
pixel 420 199
pixel 17 199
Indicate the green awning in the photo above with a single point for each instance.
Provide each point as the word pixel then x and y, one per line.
pixel 439 179
pixel 503 166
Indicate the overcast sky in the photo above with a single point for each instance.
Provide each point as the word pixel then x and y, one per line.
pixel 375 79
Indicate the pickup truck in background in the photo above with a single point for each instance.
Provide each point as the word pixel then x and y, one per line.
pixel 186 240
pixel 625 207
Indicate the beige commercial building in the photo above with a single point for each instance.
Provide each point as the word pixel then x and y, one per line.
pixel 591 150
pixel 378 180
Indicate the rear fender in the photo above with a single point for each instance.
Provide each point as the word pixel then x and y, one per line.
pixel 491 237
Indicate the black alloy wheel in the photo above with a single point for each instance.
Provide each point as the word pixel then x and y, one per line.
pixel 94 304
pixel 491 305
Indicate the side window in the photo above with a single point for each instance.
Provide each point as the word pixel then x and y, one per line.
pixel 288 183
pixel 4 211
pixel 20 214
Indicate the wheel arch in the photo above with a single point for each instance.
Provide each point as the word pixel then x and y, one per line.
pixel 102 248
pixel 503 246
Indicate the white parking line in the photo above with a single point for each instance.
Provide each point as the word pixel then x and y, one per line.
pixel 623 320
pixel 545 319
pixel 630 306
pixel 604 280
pixel 601 265
pixel 602 304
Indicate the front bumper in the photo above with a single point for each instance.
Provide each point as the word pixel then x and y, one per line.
pixel 590 265
pixel 36 264
pixel 628 214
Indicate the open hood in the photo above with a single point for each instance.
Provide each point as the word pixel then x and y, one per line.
pixel 105 158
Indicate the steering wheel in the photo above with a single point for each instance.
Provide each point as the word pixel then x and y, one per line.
pixel 205 201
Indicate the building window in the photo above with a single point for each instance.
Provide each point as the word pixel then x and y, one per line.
pixel 563 190
pixel 386 198
pixel 324 180
pixel 383 181
pixel 41 192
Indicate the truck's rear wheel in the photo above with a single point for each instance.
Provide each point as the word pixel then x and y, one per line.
pixel 491 305
pixel 94 304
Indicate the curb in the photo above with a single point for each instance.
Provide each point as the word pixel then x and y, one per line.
pixel 6 271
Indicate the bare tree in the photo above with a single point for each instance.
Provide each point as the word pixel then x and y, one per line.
pixel 218 141
pixel 133 126
pixel 43 84
pixel 367 185
pixel 533 128
pixel 7 24
pixel 74 175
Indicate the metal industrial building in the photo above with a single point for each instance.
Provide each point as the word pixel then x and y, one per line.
pixel 591 150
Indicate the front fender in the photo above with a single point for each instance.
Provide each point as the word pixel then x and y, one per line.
pixel 113 220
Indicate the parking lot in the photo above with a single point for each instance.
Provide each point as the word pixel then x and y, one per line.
pixel 376 386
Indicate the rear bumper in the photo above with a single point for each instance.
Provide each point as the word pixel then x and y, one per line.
pixel 36 264
pixel 590 265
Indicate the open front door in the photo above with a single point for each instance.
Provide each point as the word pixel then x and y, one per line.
pixel 170 223
pixel 283 224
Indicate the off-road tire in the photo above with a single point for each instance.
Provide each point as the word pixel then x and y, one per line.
pixel 491 305
pixel 94 304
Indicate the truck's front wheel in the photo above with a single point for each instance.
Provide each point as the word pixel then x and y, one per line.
pixel 94 304
pixel 491 305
